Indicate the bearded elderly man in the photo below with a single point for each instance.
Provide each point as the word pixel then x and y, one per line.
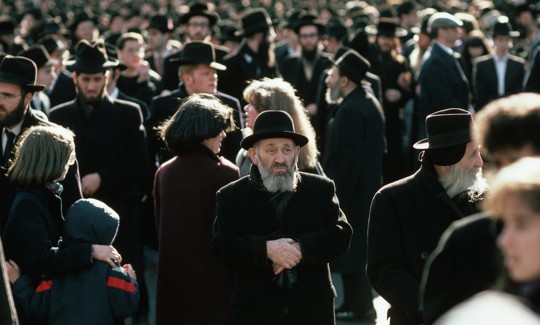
pixel 278 229
pixel 408 216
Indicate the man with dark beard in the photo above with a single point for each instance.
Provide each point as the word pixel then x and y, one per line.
pixel 408 216
pixel 17 85
pixel 304 71
pixel 255 57
pixel 353 159
pixel 280 240
pixel 110 143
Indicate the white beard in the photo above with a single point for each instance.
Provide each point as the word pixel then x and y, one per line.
pixel 457 180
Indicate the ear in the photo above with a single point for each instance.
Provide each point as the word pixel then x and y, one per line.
pixel 186 78
pixel 75 78
pixel 252 155
pixel 28 98
pixel 343 81
pixel 297 153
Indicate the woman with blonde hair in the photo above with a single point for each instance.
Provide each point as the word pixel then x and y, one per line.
pixel 33 234
pixel 278 94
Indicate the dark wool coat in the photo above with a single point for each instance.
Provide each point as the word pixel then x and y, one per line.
pixel 293 72
pixel 465 262
pixel 63 90
pixel 112 142
pixel 406 220
pixel 184 193
pixel 72 186
pixel 353 160
pixel 443 84
pixel 32 237
pixel 243 66
pixel 246 221
pixel 486 83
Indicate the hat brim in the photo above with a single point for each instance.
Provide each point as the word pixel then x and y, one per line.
pixel 250 140
pixel 422 144
pixel 320 27
pixel 372 30
pixel 29 87
pixel 212 17
pixel 73 65
pixel 214 65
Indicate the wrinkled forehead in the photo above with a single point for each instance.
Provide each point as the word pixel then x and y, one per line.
pixel 276 142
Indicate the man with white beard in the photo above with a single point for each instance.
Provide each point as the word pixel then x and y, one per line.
pixel 408 216
pixel 278 229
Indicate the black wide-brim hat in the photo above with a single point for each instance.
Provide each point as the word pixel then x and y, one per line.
pixel 38 53
pixel 162 23
pixel 81 16
pixel 253 21
pixel 386 27
pixel 273 124
pixel 448 132
pixel 309 20
pixel 199 9
pixel 502 27
pixel 353 65
pixel 199 52
pixel 90 58
pixel 20 71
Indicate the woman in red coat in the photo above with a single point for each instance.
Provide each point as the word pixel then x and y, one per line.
pixel 192 286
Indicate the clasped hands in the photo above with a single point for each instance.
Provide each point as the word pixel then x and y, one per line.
pixel 285 253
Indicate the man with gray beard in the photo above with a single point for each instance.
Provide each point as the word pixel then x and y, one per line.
pixel 408 216
pixel 278 229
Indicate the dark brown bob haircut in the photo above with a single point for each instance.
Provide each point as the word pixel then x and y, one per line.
pixel 200 117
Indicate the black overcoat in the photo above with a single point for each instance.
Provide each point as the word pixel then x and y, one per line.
pixel 353 160
pixel 246 220
pixel 406 220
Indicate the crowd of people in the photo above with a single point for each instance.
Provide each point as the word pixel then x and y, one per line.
pixel 260 146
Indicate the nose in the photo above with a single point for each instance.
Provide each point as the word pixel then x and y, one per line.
pixel 223 134
pixel 280 157
pixel 478 161
pixel 503 241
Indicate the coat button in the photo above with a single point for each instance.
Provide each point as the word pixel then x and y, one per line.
pixel 285 310
pixel 424 255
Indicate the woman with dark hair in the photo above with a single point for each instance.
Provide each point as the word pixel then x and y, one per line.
pixel 474 47
pixel 33 234
pixel 184 193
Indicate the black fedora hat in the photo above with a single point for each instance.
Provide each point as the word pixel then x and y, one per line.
pixel 81 16
pixel 502 27
pixel 40 56
pixel 112 53
pixel 90 58
pixel 199 52
pixel 386 27
pixel 161 22
pixel 353 66
pixel 20 71
pixel 448 132
pixel 7 25
pixel 308 19
pixel 199 9
pixel 253 21
pixel 273 124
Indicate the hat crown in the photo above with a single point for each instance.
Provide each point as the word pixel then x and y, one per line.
pixel 502 27
pixel 198 52
pixel 38 54
pixel 255 20
pixel 448 127
pixel 20 71
pixel 353 66
pixel 442 20
pixel 91 58
pixel 161 23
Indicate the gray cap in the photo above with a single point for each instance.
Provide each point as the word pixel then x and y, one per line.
pixel 443 20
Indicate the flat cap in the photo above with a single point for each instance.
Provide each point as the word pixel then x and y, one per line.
pixel 443 20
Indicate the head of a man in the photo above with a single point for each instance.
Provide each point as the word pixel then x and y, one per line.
pixel 158 32
pixel 346 75
pixel 309 31
pixel 198 68
pixel 130 49
pixel 273 148
pixel 17 83
pixel 445 28
pixel 91 71
pixel 452 152
pixel 198 22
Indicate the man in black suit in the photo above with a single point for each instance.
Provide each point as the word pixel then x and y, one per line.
pixel 17 85
pixel 198 71
pixel 255 58
pixel 407 217
pixel 500 74
pixel 158 36
pixel 466 260
pixel 304 71
pixel 353 159
pixel 441 80
pixel 280 240
pixel 110 143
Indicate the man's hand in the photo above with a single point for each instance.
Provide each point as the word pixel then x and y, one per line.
pixel 90 184
pixel 12 270
pixel 284 253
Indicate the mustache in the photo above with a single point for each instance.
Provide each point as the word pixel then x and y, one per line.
pixel 279 165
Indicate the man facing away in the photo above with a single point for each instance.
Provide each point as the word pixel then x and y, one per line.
pixel 280 240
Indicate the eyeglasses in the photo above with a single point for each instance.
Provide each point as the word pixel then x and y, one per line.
pixel 312 35
pixel 8 97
